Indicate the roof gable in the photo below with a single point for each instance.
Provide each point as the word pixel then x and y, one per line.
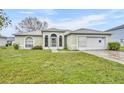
pixel 88 31
pixel 55 30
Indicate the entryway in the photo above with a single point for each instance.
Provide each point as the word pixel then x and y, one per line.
pixel 53 41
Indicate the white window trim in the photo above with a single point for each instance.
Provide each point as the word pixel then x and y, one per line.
pixel 49 40
pixel 25 40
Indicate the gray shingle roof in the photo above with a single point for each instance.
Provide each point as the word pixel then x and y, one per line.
pixel 2 36
pixel 55 29
pixel 78 31
pixel 40 32
pixel 10 38
pixel 88 31
pixel 117 27
pixel 29 33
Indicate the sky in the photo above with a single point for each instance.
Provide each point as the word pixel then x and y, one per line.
pixel 98 19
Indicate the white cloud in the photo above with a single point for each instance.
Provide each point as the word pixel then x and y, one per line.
pixel 42 11
pixel 115 14
pixel 26 12
pixel 75 23
pixel 118 16
pixel 81 22
pixel 48 11
pixel 8 31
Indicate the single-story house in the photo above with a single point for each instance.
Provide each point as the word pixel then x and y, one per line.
pixel 117 34
pixel 52 38
pixel 3 41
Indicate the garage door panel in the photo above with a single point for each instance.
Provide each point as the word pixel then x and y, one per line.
pixel 81 42
pixel 90 43
pixel 95 43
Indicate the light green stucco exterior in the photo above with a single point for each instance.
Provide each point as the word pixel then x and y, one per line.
pixel 20 40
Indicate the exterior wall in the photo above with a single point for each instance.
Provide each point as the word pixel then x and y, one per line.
pixel 3 41
pixel 49 39
pixel 117 35
pixel 72 40
pixel 37 40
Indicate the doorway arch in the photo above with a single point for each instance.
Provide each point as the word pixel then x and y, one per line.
pixel 53 40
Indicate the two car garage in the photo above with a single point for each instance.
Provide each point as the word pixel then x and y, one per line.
pixel 87 39
pixel 91 43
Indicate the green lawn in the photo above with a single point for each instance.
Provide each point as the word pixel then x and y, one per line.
pixel 122 49
pixel 38 66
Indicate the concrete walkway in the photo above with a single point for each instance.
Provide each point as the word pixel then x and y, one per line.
pixel 54 50
pixel 110 55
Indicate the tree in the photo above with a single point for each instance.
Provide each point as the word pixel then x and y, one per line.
pixel 4 20
pixel 31 24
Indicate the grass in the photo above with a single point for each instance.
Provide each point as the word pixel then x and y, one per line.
pixel 42 66
pixel 122 49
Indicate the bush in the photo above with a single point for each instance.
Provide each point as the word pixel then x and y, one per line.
pixel 113 45
pixel 37 48
pixel 6 45
pixel 3 47
pixel 16 46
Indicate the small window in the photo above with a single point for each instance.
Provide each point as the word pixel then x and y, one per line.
pixel 60 41
pixel 46 41
pixel 100 41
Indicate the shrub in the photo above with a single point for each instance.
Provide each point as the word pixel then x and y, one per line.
pixel 16 46
pixel 113 45
pixel 6 45
pixel 37 48
pixel 3 47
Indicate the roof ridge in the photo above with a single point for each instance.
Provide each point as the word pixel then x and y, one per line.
pixel 87 29
pixel 116 27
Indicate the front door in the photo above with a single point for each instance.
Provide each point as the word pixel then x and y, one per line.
pixel 53 42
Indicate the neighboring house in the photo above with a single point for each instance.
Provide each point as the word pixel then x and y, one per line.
pixel 81 39
pixel 117 34
pixel 3 41
pixel 10 40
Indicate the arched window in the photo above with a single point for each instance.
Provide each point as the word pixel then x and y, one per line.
pixel 29 42
pixel 53 40
pixel 53 35
pixel 60 41
pixel 46 40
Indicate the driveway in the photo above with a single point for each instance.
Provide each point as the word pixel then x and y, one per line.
pixel 110 55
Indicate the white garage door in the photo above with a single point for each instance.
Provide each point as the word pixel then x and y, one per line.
pixel 95 43
pixel 91 43
pixel 82 43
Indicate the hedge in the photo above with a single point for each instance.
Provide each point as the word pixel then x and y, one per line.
pixel 37 48
pixel 113 45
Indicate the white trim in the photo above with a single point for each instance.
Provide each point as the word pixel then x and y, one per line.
pixel 57 41
pixel 25 40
